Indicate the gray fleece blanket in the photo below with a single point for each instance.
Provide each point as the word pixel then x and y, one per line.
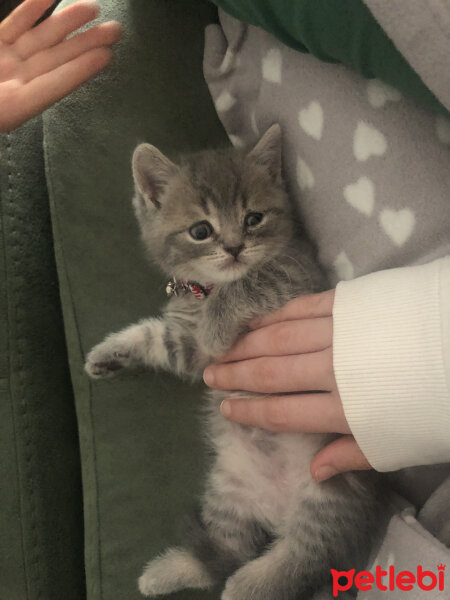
pixel 421 31
pixel 368 170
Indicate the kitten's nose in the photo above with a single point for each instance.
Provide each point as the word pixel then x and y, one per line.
pixel 235 250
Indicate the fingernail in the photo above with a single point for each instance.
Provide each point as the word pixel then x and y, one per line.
pixel 323 473
pixel 225 408
pixel 208 376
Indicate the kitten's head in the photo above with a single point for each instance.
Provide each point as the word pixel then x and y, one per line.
pixel 217 214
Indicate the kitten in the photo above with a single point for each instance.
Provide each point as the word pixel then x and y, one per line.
pixel 221 223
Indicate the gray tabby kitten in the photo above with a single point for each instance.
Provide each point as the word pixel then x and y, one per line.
pixel 266 528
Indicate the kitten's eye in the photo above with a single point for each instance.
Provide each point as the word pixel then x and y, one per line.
pixel 201 231
pixel 253 219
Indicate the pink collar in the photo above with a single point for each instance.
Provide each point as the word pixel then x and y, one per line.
pixel 181 286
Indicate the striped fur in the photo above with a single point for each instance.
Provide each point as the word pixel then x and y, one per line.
pixel 266 529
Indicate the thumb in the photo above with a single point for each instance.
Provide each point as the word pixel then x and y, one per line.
pixel 340 456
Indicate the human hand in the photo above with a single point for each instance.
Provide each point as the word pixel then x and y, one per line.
pixel 39 65
pixel 290 352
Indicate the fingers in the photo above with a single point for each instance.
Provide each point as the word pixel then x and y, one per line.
pixel 9 106
pixel 304 307
pixel 340 456
pixel 22 19
pixel 38 94
pixel 56 28
pixel 105 34
pixel 296 373
pixel 286 337
pixel 308 413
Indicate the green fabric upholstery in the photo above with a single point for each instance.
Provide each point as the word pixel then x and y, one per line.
pixel 336 31
pixel 142 456
pixel 41 523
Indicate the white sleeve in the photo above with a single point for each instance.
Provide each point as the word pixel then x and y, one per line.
pixel 391 351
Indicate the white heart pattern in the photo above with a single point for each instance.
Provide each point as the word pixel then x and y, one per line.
pixel 361 195
pixel 368 142
pixel 305 177
pixel 272 65
pixel 379 93
pixel 224 101
pixel 398 225
pixel 344 267
pixel 311 120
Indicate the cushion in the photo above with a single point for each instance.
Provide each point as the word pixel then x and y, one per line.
pixel 344 32
pixel 142 456
pixel 371 187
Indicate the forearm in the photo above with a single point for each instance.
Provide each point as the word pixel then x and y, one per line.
pixel 392 363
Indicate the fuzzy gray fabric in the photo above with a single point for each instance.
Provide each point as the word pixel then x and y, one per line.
pixel 420 30
pixel 435 515
pixel 367 168
pixel 406 546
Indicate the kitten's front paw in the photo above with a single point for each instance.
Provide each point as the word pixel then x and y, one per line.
pixel 105 359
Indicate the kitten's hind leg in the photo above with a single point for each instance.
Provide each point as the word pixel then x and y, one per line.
pixel 276 575
pixel 174 570
pixel 329 529
pixel 223 541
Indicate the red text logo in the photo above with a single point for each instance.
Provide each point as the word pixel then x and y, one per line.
pixel 388 580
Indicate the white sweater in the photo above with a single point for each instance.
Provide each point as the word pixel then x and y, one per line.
pixel 392 363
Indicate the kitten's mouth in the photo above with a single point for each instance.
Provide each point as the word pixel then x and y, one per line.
pixel 233 264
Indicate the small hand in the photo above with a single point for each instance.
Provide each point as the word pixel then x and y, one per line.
pixel 290 352
pixel 39 65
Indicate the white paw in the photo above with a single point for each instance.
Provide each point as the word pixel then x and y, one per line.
pixel 147 586
pixel 105 359
pixel 175 570
pixel 150 586
pixel 157 579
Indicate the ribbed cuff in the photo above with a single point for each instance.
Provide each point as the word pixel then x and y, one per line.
pixel 389 362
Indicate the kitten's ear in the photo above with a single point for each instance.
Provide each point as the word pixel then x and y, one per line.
pixel 152 172
pixel 267 151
